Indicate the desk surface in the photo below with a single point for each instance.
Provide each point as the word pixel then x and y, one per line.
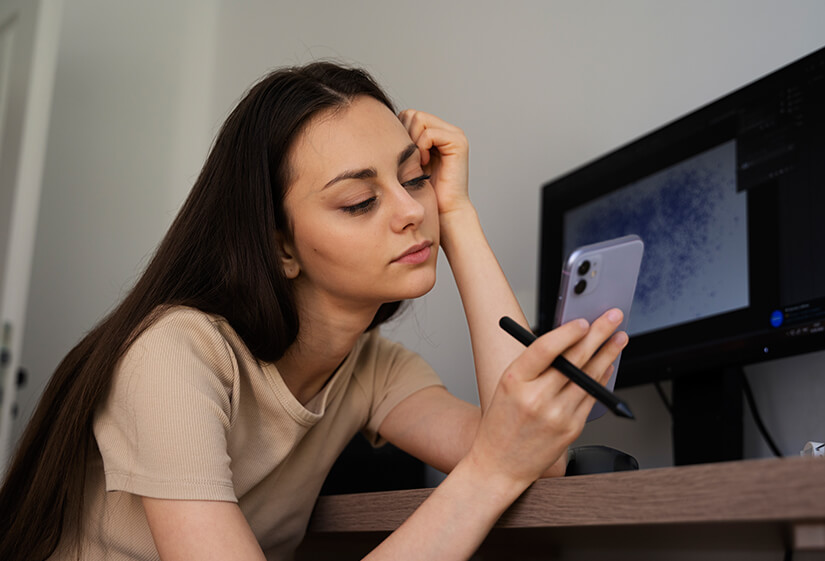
pixel 754 504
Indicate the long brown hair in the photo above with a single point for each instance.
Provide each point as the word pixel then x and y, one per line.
pixel 219 256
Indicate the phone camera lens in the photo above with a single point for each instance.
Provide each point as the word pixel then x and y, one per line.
pixel 584 267
pixel 580 286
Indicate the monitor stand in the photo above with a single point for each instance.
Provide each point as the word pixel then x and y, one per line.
pixel 707 416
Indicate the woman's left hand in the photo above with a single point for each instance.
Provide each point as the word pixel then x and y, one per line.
pixel 444 155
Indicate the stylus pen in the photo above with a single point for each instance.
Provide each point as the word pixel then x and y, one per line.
pixel 570 370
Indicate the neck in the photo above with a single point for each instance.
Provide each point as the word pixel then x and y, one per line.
pixel 325 338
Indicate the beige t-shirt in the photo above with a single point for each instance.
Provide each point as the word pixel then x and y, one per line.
pixel 193 415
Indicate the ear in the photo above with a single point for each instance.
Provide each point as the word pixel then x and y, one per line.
pixel 289 259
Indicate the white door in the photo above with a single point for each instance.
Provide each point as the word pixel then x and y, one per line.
pixel 28 54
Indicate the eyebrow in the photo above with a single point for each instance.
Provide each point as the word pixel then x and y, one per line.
pixel 365 173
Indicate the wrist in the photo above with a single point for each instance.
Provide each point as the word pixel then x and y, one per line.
pixel 458 224
pixel 499 488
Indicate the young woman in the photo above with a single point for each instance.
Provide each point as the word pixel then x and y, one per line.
pixel 199 419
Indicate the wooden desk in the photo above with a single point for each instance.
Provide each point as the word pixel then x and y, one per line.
pixel 751 505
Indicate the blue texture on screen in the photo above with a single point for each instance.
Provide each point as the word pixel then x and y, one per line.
pixel 692 221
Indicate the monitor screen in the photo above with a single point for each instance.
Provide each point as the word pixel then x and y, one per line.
pixel 694 223
pixel 730 202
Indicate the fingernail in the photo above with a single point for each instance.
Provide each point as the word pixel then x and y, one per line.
pixel 614 315
pixel 621 338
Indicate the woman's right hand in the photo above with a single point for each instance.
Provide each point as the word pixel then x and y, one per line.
pixel 536 412
pixel 533 415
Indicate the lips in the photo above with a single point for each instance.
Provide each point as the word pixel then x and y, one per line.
pixel 418 253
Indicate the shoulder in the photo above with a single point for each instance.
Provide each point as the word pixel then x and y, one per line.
pixel 162 430
pixel 182 342
pixel 181 319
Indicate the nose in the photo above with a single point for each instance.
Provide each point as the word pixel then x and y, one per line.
pixel 407 211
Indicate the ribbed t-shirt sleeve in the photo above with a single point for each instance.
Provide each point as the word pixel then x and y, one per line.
pixel 162 430
pixel 398 373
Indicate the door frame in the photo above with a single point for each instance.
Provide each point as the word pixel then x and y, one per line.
pixel 26 124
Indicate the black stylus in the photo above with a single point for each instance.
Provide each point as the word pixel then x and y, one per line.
pixel 570 370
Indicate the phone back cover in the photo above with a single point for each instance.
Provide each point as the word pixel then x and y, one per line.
pixel 610 283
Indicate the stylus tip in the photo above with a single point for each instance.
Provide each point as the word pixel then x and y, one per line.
pixel 624 411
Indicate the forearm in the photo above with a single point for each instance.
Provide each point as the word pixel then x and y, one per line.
pixel 486 296
pixel 454 520
pixel 531 419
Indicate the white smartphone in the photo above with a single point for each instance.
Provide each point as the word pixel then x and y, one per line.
pixel 596 278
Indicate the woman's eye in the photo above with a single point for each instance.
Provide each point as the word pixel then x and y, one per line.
pixel 360 208
pixel 416 183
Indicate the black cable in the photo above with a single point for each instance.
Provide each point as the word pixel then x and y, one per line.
pixel 746 389
pixel 748 392
pixel 663 395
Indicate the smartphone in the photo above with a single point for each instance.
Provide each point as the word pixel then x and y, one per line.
pixel 596 278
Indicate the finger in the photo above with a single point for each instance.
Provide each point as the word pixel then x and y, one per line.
pixel 599 332
pixel 582 410
pixel 415 128
pixel 425 143
pixel 428 131
pixel 450 145
pixel 580 401
pixel 576 393
pixel 448 141
pixel 600 367
pixel 418 120
pixel 415 122
pixel 536 359
pixel 605 357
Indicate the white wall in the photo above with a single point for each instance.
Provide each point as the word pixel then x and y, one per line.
pixel 129 131
pixel 539 86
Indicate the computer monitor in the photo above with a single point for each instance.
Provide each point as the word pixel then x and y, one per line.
pixel 730 203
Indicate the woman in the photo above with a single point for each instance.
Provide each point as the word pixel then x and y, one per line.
pixel 199 419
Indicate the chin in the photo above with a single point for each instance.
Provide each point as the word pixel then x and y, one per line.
pixel 418 287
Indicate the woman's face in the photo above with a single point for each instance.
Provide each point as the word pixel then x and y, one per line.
pixel 363 213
